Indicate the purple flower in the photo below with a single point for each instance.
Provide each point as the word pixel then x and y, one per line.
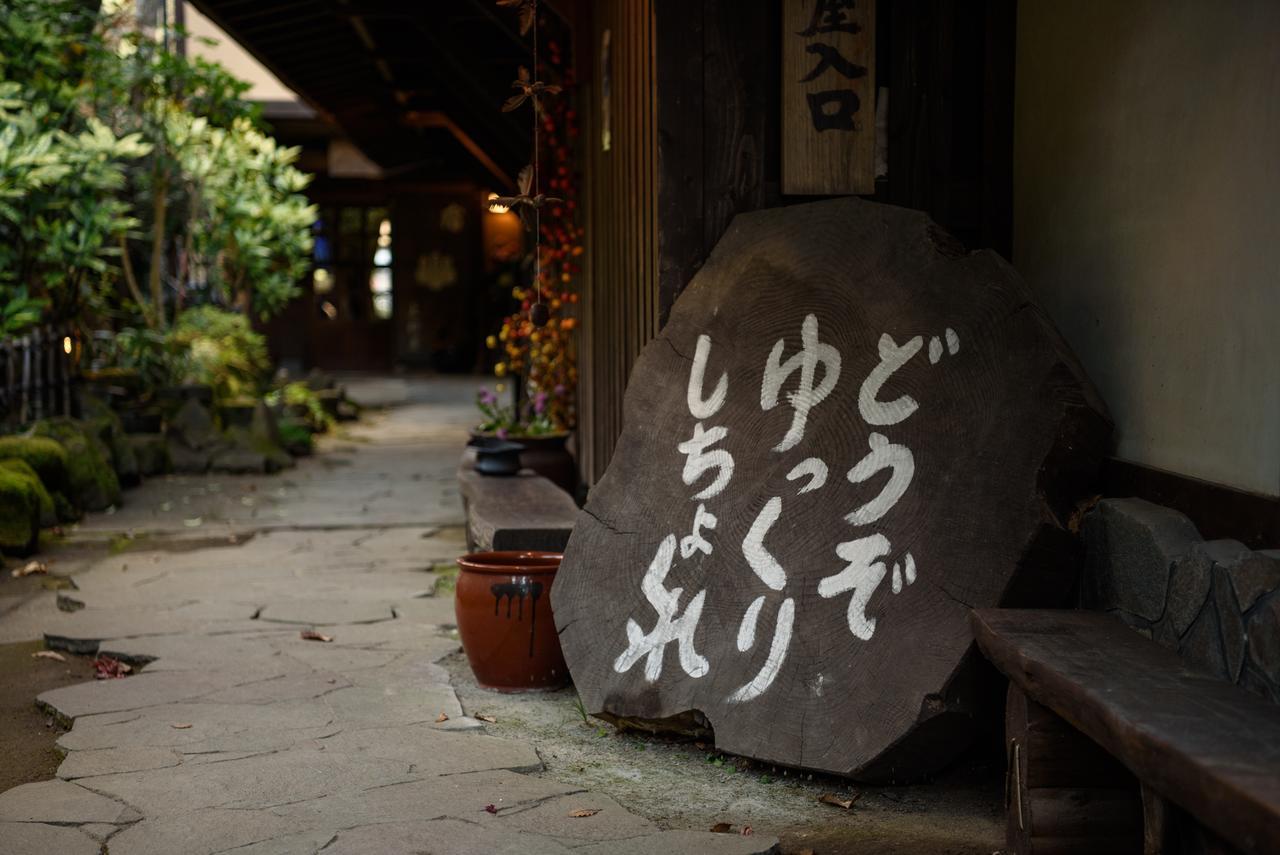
pixel 488 398
pixel 539 402
pixel 559 390
pixel 501 433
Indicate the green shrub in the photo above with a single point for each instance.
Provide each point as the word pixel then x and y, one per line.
pixel 219 349
pixel 295 436
pixel 302 401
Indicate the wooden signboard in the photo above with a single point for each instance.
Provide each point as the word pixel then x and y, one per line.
pixel 849 433
pixel 828 96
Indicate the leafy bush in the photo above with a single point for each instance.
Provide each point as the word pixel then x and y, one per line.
pixel 124 161
pixel 299 396
pixel 18 311
pixel 219 349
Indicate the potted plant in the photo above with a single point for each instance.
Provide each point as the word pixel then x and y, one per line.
pixel 544 443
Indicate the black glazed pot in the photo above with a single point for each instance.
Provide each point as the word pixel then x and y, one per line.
pixel 496 456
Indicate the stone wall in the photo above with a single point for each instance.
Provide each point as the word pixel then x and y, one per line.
pixel 1216 602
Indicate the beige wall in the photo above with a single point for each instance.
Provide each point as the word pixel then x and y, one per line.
pixel 263 84
pixel 1147 218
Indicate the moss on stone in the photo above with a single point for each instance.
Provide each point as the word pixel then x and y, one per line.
pixel 105 424
pixel 19 509
pixel 93 484
pixel 44 501
pixel 46 456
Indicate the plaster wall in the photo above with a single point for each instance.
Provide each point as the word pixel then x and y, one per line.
pixel 1147 219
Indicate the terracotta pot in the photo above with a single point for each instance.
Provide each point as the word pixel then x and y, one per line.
pixel 503 606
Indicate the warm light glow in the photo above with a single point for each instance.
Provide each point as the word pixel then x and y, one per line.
pixel 66 345
pixel 330 310
pixel 495 208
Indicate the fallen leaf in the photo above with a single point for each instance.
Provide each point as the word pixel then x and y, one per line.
pixel 488 808
pixel 31 568
pixel 176 725
pixel 107 668
pixel 722 828
pixel 833 799
pixel 487 718
pixel 441 717
pixel 581 812
pixel 193 522
pixel 747 831
pixel 312 635
pixel 49 654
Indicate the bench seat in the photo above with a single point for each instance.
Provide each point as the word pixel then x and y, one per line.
pixel 520 512
pixel 1208 747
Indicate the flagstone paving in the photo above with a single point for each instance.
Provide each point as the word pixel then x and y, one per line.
pixel 236 734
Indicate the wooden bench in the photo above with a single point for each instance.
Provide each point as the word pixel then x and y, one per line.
pixel 522 512
pixel 1115 745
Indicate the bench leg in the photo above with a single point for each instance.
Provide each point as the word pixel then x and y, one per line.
pixel 1170 830
pixel 1064 794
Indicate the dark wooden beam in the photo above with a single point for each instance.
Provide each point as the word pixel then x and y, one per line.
pixel 1217 511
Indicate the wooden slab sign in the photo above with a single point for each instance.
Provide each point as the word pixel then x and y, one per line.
pixel 849 433
pixel 828 96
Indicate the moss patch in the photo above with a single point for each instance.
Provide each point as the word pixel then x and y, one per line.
pixel 105 424
pixel 44 501
pixel 93 484
pixel 46 456
pixel 19 509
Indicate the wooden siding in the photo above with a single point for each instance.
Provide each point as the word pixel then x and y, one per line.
pixel 620 298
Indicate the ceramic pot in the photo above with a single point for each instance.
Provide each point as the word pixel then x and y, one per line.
pixel 503 607
pixel 548 455
pixel 550 458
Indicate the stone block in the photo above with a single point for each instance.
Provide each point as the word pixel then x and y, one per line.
pixel 193 426
pixel 1230 623
pixel 1191 580
pixel 152 453
pixel 1131 546
pixel 1202 645
pixel 1253 576
pixel 1264 638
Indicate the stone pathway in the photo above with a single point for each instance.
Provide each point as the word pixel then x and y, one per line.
pixel 237 735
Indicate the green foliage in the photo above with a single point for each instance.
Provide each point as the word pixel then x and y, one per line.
pixel 122 161
pixel 143 350
pixel 301 398
pixel 18 311
pixel 219 349
pixel 254 240
pixel 295 436
pixel 505 420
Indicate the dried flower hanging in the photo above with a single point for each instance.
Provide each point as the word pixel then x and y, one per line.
pixel 536 344
pixel 528 12
pixel 528 202
pixel 529 90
